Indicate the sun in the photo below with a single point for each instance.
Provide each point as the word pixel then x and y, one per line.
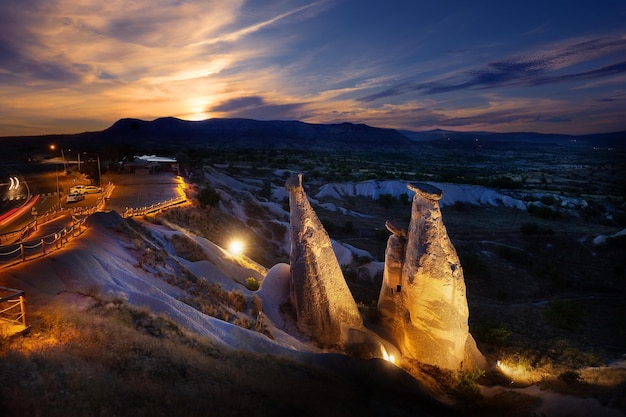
pixel 197 109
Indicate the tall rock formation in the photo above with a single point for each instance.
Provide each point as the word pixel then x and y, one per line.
pixel 422 302
pixel 323 304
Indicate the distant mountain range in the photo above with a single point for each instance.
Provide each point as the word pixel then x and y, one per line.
pixel 174 134
pixel 613 139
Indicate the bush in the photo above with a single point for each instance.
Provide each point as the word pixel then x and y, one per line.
pixel 530 228
pixel 237 300
pixel 565 314
pixel 187 248
pixel 544 212
pixel 494 333
pixel 252 284
pixel 386 200
pixel 467 384
pixel 570 377
pixel 504 182
pixel 548 200
pixel 208 197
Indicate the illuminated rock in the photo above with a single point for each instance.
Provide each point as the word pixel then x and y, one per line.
pixel 422 303
pixel 319 295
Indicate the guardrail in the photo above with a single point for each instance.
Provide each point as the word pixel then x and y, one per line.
pixel 25 250
pixel 13 319
pixel 131 212
pixel 54 213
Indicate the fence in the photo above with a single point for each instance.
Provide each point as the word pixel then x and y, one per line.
pixel 13 319
pixel 23 233
pixel 131 212
pixel 25 250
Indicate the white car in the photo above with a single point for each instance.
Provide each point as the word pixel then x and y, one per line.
pixel 73 197
pixel 85 189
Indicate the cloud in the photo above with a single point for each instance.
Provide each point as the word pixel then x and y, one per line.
pixel 524 70
pixel 256 107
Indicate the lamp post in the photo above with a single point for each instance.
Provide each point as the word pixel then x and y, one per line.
pixel 53 147
pixel 56 170
pixel 98 161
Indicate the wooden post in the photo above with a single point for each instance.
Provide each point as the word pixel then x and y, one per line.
pixel 23 252
pixel 23 309
pixel 43 246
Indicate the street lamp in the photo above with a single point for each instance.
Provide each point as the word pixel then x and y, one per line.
pixel 53 147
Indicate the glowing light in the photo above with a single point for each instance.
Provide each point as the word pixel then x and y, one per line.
pixel 387 356
pixel 235 248
pixel 516 372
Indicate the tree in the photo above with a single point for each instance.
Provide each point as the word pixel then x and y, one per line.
pixel 386 200
pixel 208 197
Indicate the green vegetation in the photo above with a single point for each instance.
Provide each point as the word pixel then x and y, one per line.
pixel 566 314
pixel 492 332
pixel 252 284
pixel 208 197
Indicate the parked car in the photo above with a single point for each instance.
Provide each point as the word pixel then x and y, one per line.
pixel 85 189
pixel 73 197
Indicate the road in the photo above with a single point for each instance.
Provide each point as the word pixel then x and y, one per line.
pixel 38 194
pixel 142 189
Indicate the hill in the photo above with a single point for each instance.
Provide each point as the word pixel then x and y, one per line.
pixel 172 134
pixel 608 140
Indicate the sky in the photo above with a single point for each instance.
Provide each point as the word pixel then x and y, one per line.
pixel 552 66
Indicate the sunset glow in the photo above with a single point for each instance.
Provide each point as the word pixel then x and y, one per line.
pixel 71 66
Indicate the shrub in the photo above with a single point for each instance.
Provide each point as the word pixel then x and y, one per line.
pixel 542 211
pixel 386 200
pixel 570 377
pixel 350 272
pixel 494 333
pixel 529 228
pixel 504 182
pixel 237 300
pixel 565 314
pixel 208 197
pixel 257 305
pixel 467 384
pixel 513 255
pixel 252 284
pixel 187 248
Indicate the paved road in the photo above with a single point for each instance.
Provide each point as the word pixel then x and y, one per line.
pixel 142 189
pixel 137 190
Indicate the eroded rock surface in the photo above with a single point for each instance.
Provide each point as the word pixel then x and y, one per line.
pixel 323 304
pixel 422 302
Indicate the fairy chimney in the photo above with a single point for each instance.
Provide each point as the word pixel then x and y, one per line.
pixel 422 302
pixel 318 292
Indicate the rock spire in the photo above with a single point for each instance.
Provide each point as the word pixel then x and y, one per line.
pixel 323 304
pixel 422 302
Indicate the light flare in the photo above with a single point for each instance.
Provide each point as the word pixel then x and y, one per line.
pixel 235 248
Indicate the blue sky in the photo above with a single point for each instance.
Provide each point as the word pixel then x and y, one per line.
pixel 69 66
